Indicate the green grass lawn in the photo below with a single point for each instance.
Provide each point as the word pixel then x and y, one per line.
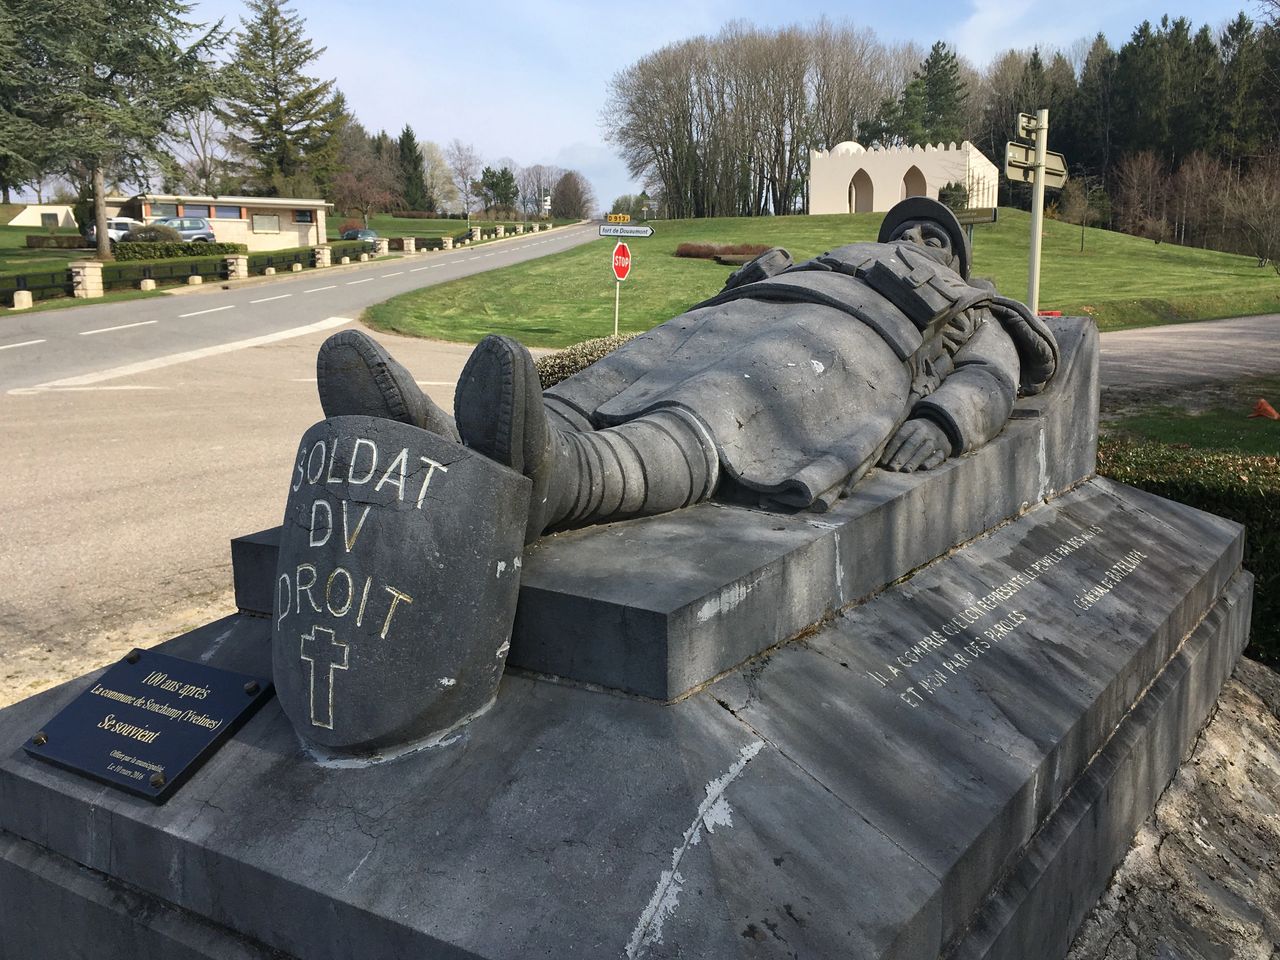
pixel 1121 281
pixel 16 256
pixel 1223 426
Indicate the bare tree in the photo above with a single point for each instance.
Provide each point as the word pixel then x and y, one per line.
pixel 1142 192
pixel 369 177
pixel 535 184
pixel 465 165
pixel 571 197
pixel 202 154
pixel 1254 212
pixel 437 177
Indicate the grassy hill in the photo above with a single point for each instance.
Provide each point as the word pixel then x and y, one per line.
pixel 1120 280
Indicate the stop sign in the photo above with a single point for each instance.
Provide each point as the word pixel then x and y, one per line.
pixel 621 261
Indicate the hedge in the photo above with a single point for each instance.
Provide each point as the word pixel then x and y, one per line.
pixel 562 364
pixel 1245 489
pixel 57 242
pixel 129 250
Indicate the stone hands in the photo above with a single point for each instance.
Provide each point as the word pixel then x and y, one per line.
pixel 918 445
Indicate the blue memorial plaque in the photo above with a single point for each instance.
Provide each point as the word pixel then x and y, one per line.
pixel 149 722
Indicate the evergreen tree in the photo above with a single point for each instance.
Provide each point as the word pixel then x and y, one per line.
pixel 413 173
pixel 930 108
pixel 102 85
pixel 284 123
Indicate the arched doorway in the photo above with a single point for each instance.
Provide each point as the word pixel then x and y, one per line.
pixel 861 193
pixel 913 184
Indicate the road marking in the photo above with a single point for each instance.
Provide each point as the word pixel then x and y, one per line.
pixel 396 274
pixel 318 289
pixel 156 363
pixel 353 282
pixel 416 269
pixel 488 254
pixel 269 299
pixel 183 316
pixel 24 343
pixel 123 326
pixel 473 258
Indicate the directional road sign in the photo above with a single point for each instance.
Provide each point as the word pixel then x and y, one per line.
pixel 619 218
pixel 620 230
pixel 1020 165
pixel 1027 126
pixel 621 261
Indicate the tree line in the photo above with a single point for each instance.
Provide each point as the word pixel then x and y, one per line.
pixel 103 96
pixel 1156 132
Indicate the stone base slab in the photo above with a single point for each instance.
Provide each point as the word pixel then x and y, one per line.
pixel 950 769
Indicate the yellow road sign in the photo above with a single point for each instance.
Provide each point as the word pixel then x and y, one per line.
pixel 619 218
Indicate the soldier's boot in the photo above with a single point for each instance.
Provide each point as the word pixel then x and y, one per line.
pixel 662 461
pixel 356 376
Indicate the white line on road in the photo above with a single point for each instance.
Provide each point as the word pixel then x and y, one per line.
pixel 24 343
pixel 416 269
pixel 396 274
pixel 123 326
pixel 269 299
pixel 473 258
pixel 488 254
pixel 183 316
pixel 318 289
pixel 157 362
pixel 353 282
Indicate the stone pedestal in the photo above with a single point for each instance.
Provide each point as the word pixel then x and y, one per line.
pixel 345 260
pixel 364 257
pixel 295 267
pixel 86 279
pixel 500 232
pixel 519 228
pixel 323 255
pixel 237 267
pixel 381 247
pixel 408 244
pixel 146 283
pixel 269 272
pixel 446 243
pixel 22 300
pixel 476 236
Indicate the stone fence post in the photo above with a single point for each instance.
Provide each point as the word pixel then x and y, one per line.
pixel 381 247
pixel 501 231
pixel 410 244
pixel 237 266
pixel 446 243
pixel 475 234
pixel 86 279
pixel 324 255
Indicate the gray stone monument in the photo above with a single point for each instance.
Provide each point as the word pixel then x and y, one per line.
pixel 856 689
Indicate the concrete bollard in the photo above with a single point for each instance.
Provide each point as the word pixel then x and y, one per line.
pixel 237 267
pixel 295 267
pixel 344 261
pixel 269 272
pixel 323 255
pixel 146 283
pixel 195 280
pixel 86 279
pixel 21 299
pixel 364 257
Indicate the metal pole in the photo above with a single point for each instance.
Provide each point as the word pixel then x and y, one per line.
pixel 617 289
pixel 1037 210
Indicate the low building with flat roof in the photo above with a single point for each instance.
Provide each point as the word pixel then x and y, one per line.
pixel 261 223
pixel 849 178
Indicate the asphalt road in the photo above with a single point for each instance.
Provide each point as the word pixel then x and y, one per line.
pixel 139 437
pixel 93 345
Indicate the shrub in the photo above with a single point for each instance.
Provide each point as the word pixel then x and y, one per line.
pixel 709 251
pixel 350 225
pixel 56 241
pixel 558 366
pixel 153 233
pixel 168 250
pixel 1245 489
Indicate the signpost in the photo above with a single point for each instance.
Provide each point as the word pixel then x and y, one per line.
pixel 1039 167
pixel 621 267
pixel 618 230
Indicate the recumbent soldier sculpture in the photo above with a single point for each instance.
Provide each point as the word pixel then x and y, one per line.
pixel 786 387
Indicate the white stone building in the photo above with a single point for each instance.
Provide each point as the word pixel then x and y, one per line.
pixel 849 178
pixel 261 223
pixel 47 216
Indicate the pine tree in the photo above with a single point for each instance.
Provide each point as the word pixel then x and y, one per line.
pixel 413 172
pixel 931 107
pixel 284 122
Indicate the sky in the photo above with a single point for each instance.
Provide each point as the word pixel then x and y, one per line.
pixel 527 81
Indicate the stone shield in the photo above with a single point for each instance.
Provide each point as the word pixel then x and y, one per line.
pixel 396 586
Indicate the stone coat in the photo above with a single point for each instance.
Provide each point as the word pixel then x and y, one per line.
pixel 802 377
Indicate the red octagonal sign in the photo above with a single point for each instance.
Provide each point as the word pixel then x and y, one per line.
pixel 621 261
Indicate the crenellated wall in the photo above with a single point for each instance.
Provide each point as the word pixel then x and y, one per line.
pixel 850 178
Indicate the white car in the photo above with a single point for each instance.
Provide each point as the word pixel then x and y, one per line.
pixel 117 227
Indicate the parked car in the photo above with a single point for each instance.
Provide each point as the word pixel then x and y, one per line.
pixel 367 235
pixel 192 229
pixel 117 227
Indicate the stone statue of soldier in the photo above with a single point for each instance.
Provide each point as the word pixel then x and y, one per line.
pixel 787 386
